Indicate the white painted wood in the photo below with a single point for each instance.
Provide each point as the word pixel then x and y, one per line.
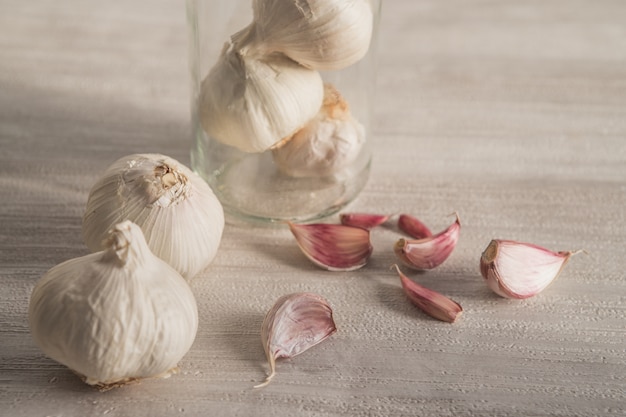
pixel 512 113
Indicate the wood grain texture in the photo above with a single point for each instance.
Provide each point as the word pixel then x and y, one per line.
pixel 512 113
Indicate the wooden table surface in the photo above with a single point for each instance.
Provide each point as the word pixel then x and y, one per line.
pixel 511 113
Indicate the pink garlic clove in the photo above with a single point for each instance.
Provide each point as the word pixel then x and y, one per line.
pixel 520 270
pixel 431 251
pixel 294 324
pixel 334 247
pixel 363 220
pixel 413 227
pixel 430 302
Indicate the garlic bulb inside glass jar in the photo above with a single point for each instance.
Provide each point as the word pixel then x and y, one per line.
pixel 318 34
pixel 116 315
pixel 253 102
pixel 180 217
pixel 326 145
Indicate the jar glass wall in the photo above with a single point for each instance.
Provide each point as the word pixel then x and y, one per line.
pixel 282 104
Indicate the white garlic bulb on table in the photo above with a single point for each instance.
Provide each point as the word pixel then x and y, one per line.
pixel 117 315
pixel 319 34
pixel 180 216
pixel 326 145
pixel 252 103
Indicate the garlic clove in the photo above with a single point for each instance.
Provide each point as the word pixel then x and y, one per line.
pixel 326 145
pixel 117 315
pixel 295 323
pixel 520 270
pixel 363 220
pixel 430 302
pixel 319 34
pixel 253 103
pixel 413 227
pixel 334 247
pixel 179 215
pixel 431 251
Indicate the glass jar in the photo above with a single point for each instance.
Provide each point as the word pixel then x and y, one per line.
pixel 281 125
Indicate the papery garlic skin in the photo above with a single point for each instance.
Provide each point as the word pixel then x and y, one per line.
pixel 179 215
pixel 116 315
pixel 318 34
pixel 295 323
pixel 326 145
pixel 520 270
pixel 253 103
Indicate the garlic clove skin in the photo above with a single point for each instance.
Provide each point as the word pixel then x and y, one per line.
pixel 520 270
pixel 180 216
pixel 413 227
pixel 363 220
pixel 117 315
pixel 334 247
pixel 431 251
pixel 430 302
pixel 253 103
pixel 318 34
pixel 294 324
pixel 326 145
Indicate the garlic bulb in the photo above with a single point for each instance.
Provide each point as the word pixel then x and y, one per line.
pixel 326 145
pixel 319 34
pixel 180 217
pixel 116 315
pixel 252 103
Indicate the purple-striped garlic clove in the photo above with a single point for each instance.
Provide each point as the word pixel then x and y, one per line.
pixel 294 324
pixel 520 270
pixel 334 247
pixel 363 220
pixel 430 302
pixel 413 227
pixel 431 251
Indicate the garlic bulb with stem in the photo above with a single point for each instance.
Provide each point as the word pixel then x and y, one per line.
pixel 117 315
pixel 319 34
pixel 254 102
pixel 326 145
pixel 520 270
pixel 180 217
